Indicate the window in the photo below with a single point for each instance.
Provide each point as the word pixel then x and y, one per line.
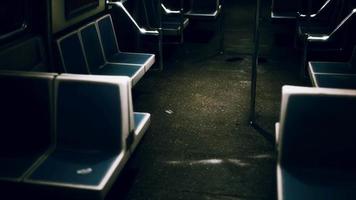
pixel 12 17
pixel 75 7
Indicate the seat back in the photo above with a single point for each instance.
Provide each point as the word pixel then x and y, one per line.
pixel 205 5
pixel 317 128
pixel 26 112
pixel 107 36
pixel 173 4
pixel 92 46
pixel 28 55
pixel 72 54
pixel 92 112
pixel 152 9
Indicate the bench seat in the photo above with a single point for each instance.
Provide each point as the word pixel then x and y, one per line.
pixel 147 60
pixel 316 144
pixel 331 67
pixel 341 81
pixel 82 52
pixel 92 127
pixel 26 118
pixel 133 71
pixel 111 48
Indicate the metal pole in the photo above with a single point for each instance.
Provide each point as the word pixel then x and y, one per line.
pixel 255 64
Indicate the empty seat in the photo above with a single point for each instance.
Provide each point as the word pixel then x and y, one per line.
pixel 281 9
pixel 96 58
pixel 316 144
pixel 204 9
pixel 26 121
pixel 111 47
pixel 208 11
pixel 324 21
pixel 86 56
pixel 174 25
pixel 146 35
pixel 92 127
pixel 328 80
pixel 329 45
pixel 173 21
pixel 334 67
pixel 72 55
pixel 138 122
pixel 334 74
pixel 330 67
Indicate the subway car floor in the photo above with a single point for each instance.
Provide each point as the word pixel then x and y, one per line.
pixel 200 145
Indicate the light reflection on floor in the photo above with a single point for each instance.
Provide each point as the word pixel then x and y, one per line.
pixel 210 162
pixel 215 161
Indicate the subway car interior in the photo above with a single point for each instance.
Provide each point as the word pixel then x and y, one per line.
pixel 178 99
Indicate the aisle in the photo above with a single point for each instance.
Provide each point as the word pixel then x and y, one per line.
pixel 200 145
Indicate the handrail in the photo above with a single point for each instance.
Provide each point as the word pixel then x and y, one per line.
pixel 15 32
pixel 317 13
pixel 326 37
pixel 169 11
pixel 140 29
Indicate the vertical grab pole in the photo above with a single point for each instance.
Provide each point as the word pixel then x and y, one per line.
pixel 254 65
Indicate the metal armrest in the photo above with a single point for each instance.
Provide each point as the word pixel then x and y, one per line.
pixel 324 7
pixel 319 38
pixel 168 11
pixel 324 38
pixel 15 32
pixel 143 31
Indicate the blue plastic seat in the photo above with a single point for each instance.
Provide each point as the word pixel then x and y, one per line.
pixel 211 11
pixel 334 74
pixel 172 27
pixel 333 43
pixel 204 9
pixel 173 15
pixel 322 22
pixel 85 56
pixel 334 67
pixel 341 81
pixel 174 24
pixel 72 55
pixel 92 130
pixel 316 144
pixel 97 61
pixel 111 48
pixel 331 67
pixel 26 121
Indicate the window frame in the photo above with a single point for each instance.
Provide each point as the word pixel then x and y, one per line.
pixel 71 12
pixel 24 25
